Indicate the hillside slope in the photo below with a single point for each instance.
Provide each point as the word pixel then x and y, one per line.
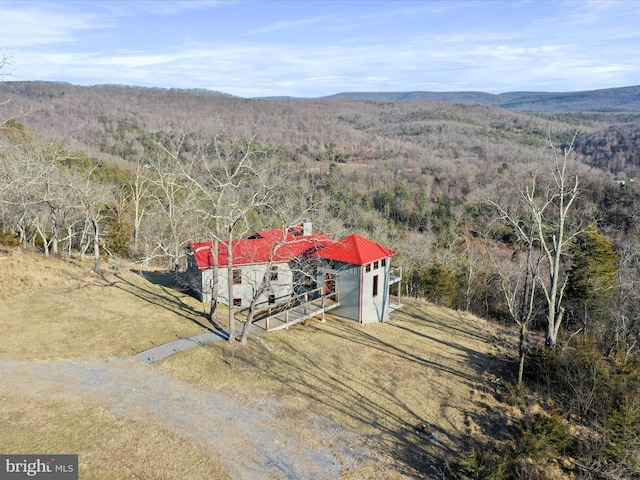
pixel 464 130
pixel 116 122
pixel 346 392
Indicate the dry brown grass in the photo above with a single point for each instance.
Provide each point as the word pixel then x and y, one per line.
pixel 429 365
pixel 53 309
pixel 58 309
pixel 107 447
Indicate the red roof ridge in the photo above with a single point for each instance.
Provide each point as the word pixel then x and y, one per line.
pixel 259 248
pixel 356 250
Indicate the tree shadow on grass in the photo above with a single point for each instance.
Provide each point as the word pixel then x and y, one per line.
pixel 167 279
pixel 429 454
pixel 171 298
pixel 373 403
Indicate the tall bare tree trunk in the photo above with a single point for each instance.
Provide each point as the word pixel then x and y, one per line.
pixel 45 242
pixel 264 283
pixel 230 289
pixel 546 218
pixel 249 322
pixel 214 280
pixel 96 244
pixel 521 351
pixel 138 191
pixel 176 255
pixel 54 231
pixel 137 221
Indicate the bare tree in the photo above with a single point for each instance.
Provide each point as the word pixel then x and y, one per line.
pixel 48 158
pixel 291 206
pixel 5 60
pixel 518 272
pixel 139 188
pixel 625 311
pixel 172 221
pixel 244 188
pixel 546 214
pixel 92 197
pixel 261 286
pixel 233 182
pixel 22 192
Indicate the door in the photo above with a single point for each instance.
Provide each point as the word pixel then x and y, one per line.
pixel 329 283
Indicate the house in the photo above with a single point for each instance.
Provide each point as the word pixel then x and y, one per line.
pixel 294 261
pixel 284 249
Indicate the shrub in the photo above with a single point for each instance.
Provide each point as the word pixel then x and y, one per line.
pixel 479 463
pixel 435 283
pixel 8 238
pixel 540 437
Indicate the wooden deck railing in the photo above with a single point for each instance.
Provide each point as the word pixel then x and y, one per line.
pixel 295 308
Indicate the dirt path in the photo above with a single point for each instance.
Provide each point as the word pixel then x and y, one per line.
pixel 245 431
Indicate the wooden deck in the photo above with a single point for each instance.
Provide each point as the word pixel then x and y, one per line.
pixel 395 306
pixel 296 309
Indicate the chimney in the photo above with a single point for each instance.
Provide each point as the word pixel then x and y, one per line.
pixel 307 228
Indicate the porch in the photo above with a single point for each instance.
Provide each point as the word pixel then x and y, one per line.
pixel 395 278
pixel 294 310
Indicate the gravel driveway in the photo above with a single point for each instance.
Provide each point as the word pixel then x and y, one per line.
pixel 244 430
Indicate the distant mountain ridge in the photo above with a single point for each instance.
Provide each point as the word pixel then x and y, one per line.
pixel 621 99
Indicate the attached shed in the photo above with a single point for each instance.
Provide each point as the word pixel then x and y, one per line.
pixel 360 270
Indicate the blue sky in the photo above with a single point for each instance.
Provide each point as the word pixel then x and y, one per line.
pixel 312 49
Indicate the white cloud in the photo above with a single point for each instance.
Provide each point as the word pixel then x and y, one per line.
pixel 292 24
pixel 395 46
pixel 41 26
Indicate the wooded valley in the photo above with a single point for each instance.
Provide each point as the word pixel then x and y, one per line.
pixel 528 219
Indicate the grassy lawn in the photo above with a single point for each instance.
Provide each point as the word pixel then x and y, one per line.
pixel 107 446
pixel 428 365
pixel 55 309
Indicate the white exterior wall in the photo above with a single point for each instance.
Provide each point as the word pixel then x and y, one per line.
pixel 206 277
pixel 375 309
pixel 251 278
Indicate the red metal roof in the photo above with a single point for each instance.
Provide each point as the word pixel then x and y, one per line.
pixel 261 246
pixel 355 250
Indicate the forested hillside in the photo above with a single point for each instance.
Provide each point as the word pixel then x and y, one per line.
pixel 529 219
pixel 625 99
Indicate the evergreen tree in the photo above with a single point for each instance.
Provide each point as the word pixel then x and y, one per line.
pixel 592 281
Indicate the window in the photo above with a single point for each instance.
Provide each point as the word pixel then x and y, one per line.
pixel 237 302
pixel 375 265
pixel 368 267
pixel 383 262
pixel 375 285
pixel 272 299
pixel 237 276
pixel 274 273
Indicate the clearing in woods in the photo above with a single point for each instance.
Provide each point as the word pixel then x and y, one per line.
pixel 320 400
